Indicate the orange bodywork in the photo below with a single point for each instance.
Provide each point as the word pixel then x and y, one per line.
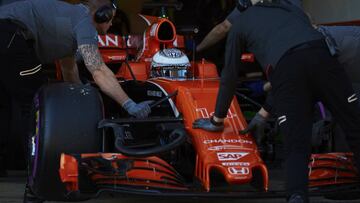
pixel 233 155
pixel 153 41
pixel 140 70
pixel 145 172
pixel 332 169
pixel 69 172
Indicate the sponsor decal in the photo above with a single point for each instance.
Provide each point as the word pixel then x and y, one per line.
pixel 128 135
pixel 235 164
pixel 239 170
pixel 224 141
pixel 108 40
pixel 224 147
pixel 153 29
pixel 37 128
pixel 231 156
pixel 205 114
pixel 154 93
pixel 117 58
pixel 33 146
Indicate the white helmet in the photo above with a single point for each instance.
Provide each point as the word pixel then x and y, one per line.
pixel 171 63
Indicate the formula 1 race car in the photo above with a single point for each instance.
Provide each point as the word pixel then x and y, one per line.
pixel 84 144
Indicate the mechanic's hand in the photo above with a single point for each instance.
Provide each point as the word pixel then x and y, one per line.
pixel 257 127
pixel 207 124
pixel 140 110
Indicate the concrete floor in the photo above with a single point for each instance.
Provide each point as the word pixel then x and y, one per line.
pixel 11 191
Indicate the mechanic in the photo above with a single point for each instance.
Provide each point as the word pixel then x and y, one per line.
pixel 42 31
pixel 343 43
pixel 301 70
pixel 220 31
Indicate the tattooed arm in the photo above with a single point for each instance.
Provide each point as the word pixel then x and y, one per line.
pixel 102 75
pixel 69 69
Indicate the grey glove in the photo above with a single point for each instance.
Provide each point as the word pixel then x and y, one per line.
pixel 208 124
pixel 257 127
pixel 140 110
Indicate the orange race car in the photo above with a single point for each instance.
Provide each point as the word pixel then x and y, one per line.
pixel 84 144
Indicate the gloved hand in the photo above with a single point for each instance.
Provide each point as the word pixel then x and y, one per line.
pixel 257 127
pixel 140 110
pixel 207 124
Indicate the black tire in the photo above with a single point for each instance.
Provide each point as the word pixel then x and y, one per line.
pixel 66 119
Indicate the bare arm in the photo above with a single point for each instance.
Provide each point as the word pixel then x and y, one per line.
pixel 69 69
pixel 215 35
pixel 102 75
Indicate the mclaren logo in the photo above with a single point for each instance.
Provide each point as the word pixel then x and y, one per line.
pixel 231 156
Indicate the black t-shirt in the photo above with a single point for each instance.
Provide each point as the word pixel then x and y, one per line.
pixel 268 31
pixel 56 27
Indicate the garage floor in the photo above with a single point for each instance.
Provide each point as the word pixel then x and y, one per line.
pixel 11 191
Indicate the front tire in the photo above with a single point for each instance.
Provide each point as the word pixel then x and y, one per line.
pixel 65 121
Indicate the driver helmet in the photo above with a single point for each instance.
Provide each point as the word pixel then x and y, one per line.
pixel 170 63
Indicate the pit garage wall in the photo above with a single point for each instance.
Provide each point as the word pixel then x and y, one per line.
pixel 132 9
pixel 329 11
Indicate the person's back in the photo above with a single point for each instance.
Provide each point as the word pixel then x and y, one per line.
pixel 52 25
pixel 280 30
